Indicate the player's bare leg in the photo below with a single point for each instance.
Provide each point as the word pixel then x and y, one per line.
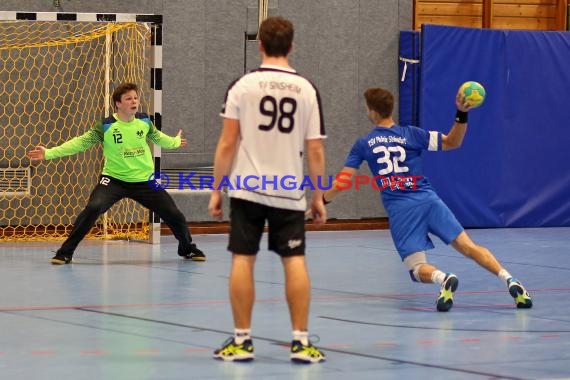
pixel 242 289
pixel 478 253
pixel 298 293
pixel 487 260
pixel 422 271
pixel 242 296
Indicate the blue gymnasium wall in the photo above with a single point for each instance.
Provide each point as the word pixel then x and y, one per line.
pixel 513 169
pixel 409 70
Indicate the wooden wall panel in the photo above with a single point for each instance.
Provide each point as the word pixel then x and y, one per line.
pixel 535 2
pixel 456 1
pixel 524 23
pixel 471 22
pixel 504 14
pixel 440 9
pixel 527 11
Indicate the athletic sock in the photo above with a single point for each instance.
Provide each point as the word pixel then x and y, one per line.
pixel 504 275
pixel 301 336
pixel 241 335
pixel 437 277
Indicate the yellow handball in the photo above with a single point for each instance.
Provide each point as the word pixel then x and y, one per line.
pixel 473 92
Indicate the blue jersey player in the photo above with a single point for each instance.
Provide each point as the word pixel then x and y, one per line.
pixel 393 154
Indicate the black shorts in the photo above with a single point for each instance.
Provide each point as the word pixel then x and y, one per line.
pixel 247 219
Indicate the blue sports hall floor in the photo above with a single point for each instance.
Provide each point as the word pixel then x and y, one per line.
pixel 127 310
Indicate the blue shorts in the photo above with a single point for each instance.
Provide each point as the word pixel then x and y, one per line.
pixel 410 227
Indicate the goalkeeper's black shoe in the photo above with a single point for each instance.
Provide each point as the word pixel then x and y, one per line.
pixel 193 253
pixel 61 259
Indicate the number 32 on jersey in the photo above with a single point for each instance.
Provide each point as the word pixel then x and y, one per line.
pixel 393 157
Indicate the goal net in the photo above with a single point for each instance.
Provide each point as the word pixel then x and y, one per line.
pixel 55 83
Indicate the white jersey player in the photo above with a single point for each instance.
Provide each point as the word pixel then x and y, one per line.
pixel 278 110
pixel 272 121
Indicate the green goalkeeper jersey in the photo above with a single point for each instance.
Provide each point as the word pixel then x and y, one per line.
pixel 125 148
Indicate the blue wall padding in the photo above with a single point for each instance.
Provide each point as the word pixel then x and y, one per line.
pixel 513 169
pixel 410 73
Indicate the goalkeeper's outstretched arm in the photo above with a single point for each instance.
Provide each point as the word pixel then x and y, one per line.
pixel 75 145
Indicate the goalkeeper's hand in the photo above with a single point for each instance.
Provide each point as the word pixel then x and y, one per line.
pixel 183 140
pixel 38 153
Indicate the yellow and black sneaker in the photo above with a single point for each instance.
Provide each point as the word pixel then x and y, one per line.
pixel 519 293
pixel 60 259
pixel 232 352
pixel 448 287
pixel 306 354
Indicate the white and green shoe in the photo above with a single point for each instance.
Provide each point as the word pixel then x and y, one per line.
pixel 232 352
pixel 306 354
pixel 448 287
pixel 519 293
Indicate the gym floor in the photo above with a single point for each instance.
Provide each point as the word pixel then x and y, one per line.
pixel 129 310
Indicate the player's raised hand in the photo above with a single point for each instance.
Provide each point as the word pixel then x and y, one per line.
pixel 183 141
pixel 461 103
pixel 38 153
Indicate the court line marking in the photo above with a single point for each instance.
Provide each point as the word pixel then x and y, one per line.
pixel 350 296
pixel 339 351
pixel 352 321
pixel 270 340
